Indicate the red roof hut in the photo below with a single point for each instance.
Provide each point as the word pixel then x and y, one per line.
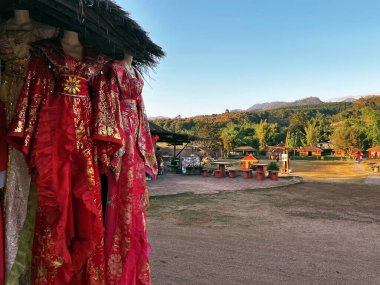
pixel 310 151
pixel 374 152
pixel 248 161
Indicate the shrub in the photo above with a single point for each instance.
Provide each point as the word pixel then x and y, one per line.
pixel 273 166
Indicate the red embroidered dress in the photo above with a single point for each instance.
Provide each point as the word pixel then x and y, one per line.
pixel 126 244
pixel 3 166
pixel 52 128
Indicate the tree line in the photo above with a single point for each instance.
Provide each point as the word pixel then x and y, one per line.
pixel 348 125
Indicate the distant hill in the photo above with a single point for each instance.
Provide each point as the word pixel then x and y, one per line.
pixel 349 100
pixel 157 118
pixel 352 98
pixel 276 105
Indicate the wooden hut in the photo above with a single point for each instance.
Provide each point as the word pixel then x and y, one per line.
pixel 339 152
pixel 166 136
pixel 310 151
pixel 248 161
pixel 354 152
pixel 243 150
pixel 326 147
pixel 374 152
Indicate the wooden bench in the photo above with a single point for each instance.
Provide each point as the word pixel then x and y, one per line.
pixel 260 175
pixel 247 173
pixel 207 171
pixel 232 173
pixel 218 173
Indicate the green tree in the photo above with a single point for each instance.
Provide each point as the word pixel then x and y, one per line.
pixel 263 132
pixel 229 136
pixel 209 134
pixel 346 137
pixel 311 131
pixel 296 126
pixel 297 121
pixel 371 117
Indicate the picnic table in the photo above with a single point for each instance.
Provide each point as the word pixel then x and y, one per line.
pixel 247 172
pixel 260 171
pixel 222 167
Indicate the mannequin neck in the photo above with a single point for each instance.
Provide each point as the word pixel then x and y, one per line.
pixel 21 17
pixel 71 38
pixel 20 21
pixel 128 59
pixel 71 44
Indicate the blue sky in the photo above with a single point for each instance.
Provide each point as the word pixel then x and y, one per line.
pixel 232 54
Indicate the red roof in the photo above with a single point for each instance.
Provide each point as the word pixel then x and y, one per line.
pixel 375 148
pixel 310 148
pixel 249 158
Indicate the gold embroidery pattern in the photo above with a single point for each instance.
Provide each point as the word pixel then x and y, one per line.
pixel 144 275
pixel 44 260
pixel 129 241
pixel 72 85
pixel 105 119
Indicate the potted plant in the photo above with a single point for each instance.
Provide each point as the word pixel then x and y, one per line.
pixel 273 170
pixel 198 169
pixel 189 170
pixel 194 169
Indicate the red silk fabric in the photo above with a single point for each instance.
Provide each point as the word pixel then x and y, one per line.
pixel 126 244
pixel 3 142
pixel 3 166
pixel 53 128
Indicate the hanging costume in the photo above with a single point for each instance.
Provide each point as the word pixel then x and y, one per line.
pixel 18 218
pixel 52 127
pixel 126 244
pixel 3 167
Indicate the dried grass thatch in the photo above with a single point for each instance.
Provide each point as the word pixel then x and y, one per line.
pixel 170 137
pixel 102 24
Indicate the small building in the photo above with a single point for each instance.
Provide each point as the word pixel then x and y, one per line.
pixel 354 152
pixel 248 161
pixel 326 147
pixel 310 151
pixel 244 150
pixel 374 152
pixel 339 152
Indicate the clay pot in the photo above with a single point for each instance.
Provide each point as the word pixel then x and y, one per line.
pixel 273 175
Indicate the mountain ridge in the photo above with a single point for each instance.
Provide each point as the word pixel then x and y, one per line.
pixel 282 104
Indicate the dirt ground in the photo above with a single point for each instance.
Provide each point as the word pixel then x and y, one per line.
pixel 308 233
pixel 330 171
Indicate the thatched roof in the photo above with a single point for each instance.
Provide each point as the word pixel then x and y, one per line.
pixel 245 148
pixel 170 137
pixel 102 24
pixel 157 130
